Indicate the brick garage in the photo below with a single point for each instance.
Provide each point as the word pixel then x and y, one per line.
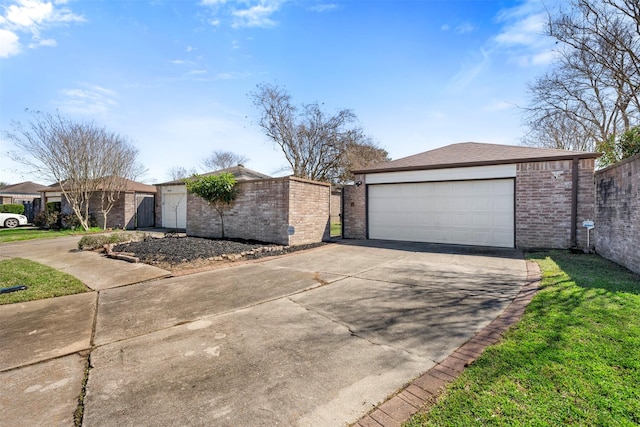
pixel 476 194
pixel 617 231
pixel 287 211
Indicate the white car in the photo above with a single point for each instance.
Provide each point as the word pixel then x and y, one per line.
pixel 11 220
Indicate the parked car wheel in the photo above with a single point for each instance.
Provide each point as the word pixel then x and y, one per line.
pixel 11 223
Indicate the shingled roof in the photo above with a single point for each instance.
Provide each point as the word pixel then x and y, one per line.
pixel 466 154
pixel 240 173
pixel 131 186
pixel 26 187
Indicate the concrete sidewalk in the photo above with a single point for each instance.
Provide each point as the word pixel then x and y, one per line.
pixel 93 269
pixel 316 338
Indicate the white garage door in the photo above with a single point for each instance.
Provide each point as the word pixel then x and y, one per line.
pixel 455 212
pixel 174 206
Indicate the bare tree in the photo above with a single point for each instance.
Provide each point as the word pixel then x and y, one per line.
pixel 591 93
pixel 222 160
pixel 83 158
pixel 357 154
pixel 313 141
pixel 180 172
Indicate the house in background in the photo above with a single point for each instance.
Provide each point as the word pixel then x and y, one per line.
pixel 171 199
pixel 476 194
pixel 135 207
pixel 24 193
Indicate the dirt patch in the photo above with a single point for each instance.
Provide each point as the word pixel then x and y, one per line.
pixel 180 253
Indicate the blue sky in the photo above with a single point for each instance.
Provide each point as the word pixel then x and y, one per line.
pixel 174 75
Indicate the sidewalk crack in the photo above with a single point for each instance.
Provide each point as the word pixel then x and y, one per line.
pixel 356 334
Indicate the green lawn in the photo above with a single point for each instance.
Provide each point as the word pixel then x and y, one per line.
pixel 15 234
pixel 336 229
pixel 41 281
pixel 574 358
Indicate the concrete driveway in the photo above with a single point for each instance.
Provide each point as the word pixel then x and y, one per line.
pixel 316 338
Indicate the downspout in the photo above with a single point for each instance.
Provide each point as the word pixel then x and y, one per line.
pixel 574 202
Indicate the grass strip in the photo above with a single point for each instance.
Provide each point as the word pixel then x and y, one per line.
pixel 41 281
pixel 573 359
pixel 17 234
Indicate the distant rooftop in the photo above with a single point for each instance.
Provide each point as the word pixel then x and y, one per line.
pixel 26 187
pixel 240 173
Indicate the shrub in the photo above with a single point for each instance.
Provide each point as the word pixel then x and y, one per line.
pixel 70 221
pixel 15 209
pixel 96 241
pixel 54 207
pixel 46 220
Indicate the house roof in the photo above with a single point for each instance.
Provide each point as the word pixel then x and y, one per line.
pixel 26 187
pixel 466 154
pixel 239 172
pixel 131 186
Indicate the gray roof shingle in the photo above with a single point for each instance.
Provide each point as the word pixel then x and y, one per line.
pixel 466 154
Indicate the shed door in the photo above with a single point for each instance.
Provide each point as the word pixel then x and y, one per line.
pixel 174 207
pixel 455 212
pixel 145 214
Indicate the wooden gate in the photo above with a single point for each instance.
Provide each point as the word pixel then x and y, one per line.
pixel 145 210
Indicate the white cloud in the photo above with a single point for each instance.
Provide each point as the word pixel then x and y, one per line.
pixel 256 16
pixel 90 100
pixel 468 73
pixel 231 76
pixel 34 17
pixel 522 35
pixel 43 42
pixel 249 13
pixel 324 7
pixel 9 43
pixel 499 106
pixel 28 13
pixel 465 27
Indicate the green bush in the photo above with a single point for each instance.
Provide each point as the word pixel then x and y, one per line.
pixel 15 209
pixel 70 221
pixel 54 207
pixel 46 220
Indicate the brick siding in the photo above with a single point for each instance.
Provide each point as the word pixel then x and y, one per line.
pixel 617 221
pixel 354 217
pixel 264 210
pixel 543 203
pixel 121 216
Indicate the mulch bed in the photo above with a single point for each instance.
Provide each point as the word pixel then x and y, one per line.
pixel 174 253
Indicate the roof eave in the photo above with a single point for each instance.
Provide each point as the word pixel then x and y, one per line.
pixel 480 163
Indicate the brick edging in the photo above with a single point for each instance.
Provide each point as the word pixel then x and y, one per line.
pixel 422 392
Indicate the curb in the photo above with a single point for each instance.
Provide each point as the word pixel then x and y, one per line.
pixel 422 393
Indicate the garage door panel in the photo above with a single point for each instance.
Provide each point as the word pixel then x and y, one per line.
pixel 457 212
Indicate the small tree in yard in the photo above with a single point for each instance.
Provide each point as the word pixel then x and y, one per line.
pixel 84 159
pixel 218 190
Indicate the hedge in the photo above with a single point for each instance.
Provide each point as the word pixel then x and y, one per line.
pixel 15 209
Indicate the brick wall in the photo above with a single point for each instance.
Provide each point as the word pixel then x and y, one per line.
pixel 543 203
pixel 617 221
pixel 354 217
pixel 264 210
pixel 309 211
pixel 121 215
